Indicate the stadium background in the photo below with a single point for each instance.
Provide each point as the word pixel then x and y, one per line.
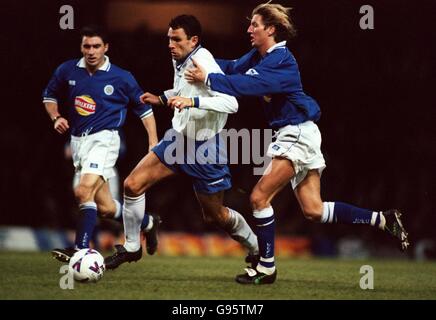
pixel 375 89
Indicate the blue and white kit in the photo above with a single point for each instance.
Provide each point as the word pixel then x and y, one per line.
pixel 97 106
pixel 200 124
pixel 276 78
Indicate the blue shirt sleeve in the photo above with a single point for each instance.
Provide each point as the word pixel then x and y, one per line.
pixel 134 92
pixel 240 65
pixel 276 73
pixel 226 65
pixel 56 86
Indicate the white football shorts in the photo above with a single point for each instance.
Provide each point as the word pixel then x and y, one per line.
pixel 96 153
pixel 301 144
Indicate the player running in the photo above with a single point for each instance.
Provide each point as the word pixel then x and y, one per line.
pixel 270 71
pixel 96 94
pixel 198 125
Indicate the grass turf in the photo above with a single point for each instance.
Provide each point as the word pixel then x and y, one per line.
pixel 36 276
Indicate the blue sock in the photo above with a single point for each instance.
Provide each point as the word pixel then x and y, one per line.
pixel 339 212
pixel 265 226
pixel 87 222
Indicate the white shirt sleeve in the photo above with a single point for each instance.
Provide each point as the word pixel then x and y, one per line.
pixel 215 101
pixel 220 102
pixel 170 93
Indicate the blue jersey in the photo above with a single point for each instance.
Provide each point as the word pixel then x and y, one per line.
pixel 95 102
pixel 275 77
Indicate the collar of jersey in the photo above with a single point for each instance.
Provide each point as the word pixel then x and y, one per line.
pixel 181 64
pixel 104 67
pixel 276 46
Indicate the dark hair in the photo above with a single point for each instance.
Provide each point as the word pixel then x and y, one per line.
pixel 189 23
pixel 94 31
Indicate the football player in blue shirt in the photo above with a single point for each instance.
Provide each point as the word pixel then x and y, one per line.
pixel 96 94
pixel 270 71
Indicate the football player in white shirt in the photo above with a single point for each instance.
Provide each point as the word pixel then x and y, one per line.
pixel 198 125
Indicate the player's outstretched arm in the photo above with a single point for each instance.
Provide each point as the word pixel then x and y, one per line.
pixel 149 98
pixel 218 102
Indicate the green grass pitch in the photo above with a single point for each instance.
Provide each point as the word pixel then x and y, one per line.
pixel 36 276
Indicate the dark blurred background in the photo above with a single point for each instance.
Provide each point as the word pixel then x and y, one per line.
pixel 375 88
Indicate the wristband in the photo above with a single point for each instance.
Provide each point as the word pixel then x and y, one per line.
pixel 56 118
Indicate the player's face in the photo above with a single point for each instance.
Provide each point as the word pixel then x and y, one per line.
pixel 179 44
pixel 259 34
pixel 93 50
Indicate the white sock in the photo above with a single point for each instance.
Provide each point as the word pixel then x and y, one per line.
pixel 119 210
pixel 150 223
pixel 382 219
pixel 264 269
pixel 327 212
pixel 133 213
pixel 241 232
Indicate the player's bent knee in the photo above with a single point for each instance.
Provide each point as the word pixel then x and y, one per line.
pixel 258 201
pixel 133 187
pixel 83 194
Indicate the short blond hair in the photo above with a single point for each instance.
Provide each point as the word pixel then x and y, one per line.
pixel 278 16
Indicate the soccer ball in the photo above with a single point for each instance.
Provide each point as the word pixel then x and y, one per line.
pixel 87 265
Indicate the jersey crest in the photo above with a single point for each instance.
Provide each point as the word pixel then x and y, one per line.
pixel 108 89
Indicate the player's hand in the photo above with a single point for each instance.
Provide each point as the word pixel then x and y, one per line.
pixel 196 73
pixel 179 102
pixel 150 98
pixel 61 125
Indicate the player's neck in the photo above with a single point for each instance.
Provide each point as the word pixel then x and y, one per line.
pixel 93 69
pixel 263 49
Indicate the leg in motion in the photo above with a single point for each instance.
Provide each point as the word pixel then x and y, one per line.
pixel 148 171
pixel 229 220
pixel 309 198
pixel 263 193
pixel 85 196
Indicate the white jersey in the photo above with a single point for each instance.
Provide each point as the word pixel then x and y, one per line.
pixel 209 118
